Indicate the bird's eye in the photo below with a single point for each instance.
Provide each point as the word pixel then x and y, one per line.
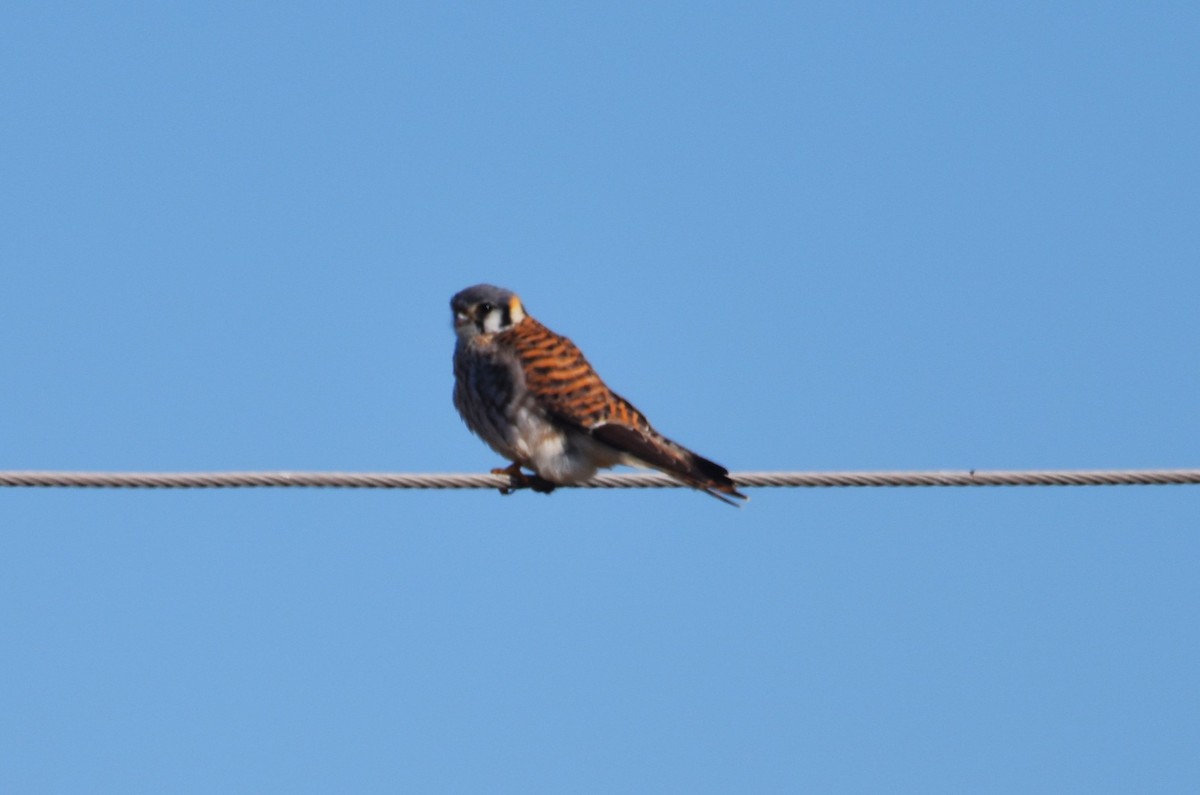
pixel 485 308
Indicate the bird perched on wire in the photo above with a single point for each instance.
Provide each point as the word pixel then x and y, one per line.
pixel 532 396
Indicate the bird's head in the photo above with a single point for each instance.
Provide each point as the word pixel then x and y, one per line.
pixel 485 309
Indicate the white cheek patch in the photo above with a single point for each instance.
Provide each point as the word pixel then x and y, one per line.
pixel 492 321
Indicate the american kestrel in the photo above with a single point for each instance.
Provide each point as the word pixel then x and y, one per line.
pixel 535 400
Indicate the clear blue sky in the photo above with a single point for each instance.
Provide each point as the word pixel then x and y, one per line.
pixel 797 236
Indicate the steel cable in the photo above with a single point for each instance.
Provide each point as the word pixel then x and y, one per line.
pixel 635 480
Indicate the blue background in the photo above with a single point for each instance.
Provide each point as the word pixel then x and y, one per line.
pixel 829 236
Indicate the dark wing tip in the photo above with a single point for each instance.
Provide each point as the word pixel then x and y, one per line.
pixel 671 458
pixel 718 479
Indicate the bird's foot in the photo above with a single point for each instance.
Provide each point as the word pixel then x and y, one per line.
pixel 519 480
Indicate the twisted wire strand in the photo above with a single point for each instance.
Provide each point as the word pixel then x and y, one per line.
pixel 636 480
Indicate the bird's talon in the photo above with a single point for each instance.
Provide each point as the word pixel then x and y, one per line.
pixel 540 484
pixel 519 480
